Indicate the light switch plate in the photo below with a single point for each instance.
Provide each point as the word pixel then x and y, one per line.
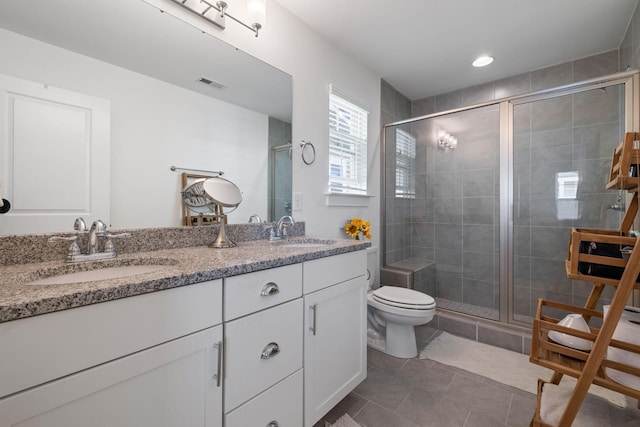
pixel 297 201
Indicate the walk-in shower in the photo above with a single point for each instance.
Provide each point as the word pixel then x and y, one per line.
pixel 478 201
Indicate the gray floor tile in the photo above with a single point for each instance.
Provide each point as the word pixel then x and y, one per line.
pixel 384 388
pixel 432 409
pixel 352 404
pixel 482 420
pixel 381 361
pixel 425 393
pixel 521 410
pixel 480 397
pixel 373 415
pixel 426 375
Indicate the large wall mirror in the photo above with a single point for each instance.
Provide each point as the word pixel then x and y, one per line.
pixel 177 96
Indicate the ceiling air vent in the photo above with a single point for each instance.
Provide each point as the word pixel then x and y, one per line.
pixel 211 83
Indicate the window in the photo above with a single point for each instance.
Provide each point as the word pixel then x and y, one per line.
pixel 347 146
pixel 567 185
pixel 405 165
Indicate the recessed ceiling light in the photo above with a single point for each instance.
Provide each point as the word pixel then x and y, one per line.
pixel 482 61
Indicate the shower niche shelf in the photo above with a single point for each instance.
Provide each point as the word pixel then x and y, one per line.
pixel 594 256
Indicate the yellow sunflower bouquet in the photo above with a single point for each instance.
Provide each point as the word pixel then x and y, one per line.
pixel 358 226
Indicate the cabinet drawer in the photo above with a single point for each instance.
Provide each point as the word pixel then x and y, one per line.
pixel 252 292
pixel 324 272
pixel 282 403
pixel 248 371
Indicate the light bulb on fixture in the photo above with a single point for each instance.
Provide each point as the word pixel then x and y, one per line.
pixel 257 13
pixel 446 141
pixel 216 13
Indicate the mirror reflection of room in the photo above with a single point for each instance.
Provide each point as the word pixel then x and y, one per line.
pixel 160 110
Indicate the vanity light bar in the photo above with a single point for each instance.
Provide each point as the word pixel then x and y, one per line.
pixel 203 7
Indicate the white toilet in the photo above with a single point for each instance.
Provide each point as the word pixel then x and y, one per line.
pixel 393 313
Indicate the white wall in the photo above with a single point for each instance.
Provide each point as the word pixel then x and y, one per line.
pixel 154 125
pixel 290 45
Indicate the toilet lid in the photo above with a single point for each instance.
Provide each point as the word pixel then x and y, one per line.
pixel 403 298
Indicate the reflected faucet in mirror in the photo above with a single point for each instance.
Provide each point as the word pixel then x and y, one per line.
pixel 255 218
pixel 97 231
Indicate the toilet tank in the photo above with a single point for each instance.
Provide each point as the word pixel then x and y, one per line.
pixel 372 267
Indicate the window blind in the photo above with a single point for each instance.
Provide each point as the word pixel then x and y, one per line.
pixel 405 164
pixel 347 145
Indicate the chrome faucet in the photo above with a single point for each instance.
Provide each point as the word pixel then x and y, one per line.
pixel 98 230
pixel 279 231
pixel 79 225
pixel 255 218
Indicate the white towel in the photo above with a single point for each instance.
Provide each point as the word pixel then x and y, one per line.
pixel 594 411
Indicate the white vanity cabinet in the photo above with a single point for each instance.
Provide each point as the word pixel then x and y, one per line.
pixel 130 362
pixel 263 348
pixel 335 358
pixel 276 348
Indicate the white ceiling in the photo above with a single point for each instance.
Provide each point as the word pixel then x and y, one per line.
pixel 425 47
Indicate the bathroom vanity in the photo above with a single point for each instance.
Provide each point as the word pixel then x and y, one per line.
pixel 261 334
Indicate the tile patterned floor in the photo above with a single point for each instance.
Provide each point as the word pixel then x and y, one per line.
pixel 425 393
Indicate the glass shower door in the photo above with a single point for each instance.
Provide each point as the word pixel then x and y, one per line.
pixel 561 150
pixel 442 198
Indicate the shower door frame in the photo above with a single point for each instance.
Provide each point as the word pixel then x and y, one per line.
pixel 630 80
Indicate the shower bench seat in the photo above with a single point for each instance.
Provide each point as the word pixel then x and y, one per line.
pixel 413 273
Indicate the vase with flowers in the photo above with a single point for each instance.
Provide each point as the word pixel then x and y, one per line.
pixel 357 227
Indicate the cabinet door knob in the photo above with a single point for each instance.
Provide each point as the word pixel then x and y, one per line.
pixel 270 289
pixel 273 424
pixel 271 350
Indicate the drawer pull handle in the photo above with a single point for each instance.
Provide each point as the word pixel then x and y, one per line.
pixel 273 424
pixel 272 349
pixel 270 289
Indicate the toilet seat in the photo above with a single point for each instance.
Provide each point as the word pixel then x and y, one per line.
pixel 403 298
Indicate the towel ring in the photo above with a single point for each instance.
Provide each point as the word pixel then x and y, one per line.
pixel 306 159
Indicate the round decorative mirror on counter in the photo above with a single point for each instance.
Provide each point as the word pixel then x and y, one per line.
pixel 210 196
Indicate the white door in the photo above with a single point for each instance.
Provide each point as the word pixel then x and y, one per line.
pixel 335 356
pixel 54 151
pixel 173 384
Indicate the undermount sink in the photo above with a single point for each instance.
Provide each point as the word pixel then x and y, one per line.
pixel 307 243
pixel 71 273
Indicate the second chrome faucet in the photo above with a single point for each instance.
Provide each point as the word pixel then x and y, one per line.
pixel 279 230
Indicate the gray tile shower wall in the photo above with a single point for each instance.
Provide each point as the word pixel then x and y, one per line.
pixel 459 190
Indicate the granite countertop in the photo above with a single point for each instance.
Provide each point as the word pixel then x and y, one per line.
pixel 183 266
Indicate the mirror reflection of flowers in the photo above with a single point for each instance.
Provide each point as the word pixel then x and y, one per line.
pixel 358 226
